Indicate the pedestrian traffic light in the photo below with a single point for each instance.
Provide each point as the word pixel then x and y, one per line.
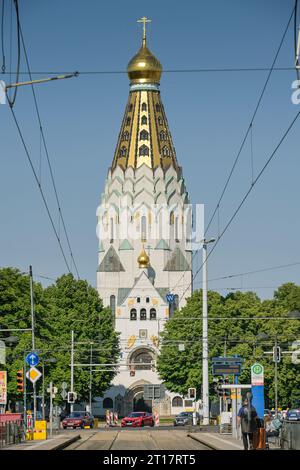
pixel 276 354
pixel 20 381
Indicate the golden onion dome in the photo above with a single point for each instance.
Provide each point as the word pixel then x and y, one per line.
pixel 143 259
pixel 144 67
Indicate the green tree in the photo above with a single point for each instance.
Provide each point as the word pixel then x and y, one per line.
pixel 67 305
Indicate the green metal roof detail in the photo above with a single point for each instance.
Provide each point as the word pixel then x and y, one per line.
pixel 162 245
pixel 125 245
pixel 177 262
pixel 122 294
pixel 111 262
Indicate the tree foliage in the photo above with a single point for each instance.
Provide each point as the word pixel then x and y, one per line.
pixel 236 323
pixel 68 304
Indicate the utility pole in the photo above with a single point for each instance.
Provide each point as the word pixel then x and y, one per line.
pixel 32 337
pixel 91 362
pixel 205 385
pixel 51 407
pixel 276 380
pixel 72 368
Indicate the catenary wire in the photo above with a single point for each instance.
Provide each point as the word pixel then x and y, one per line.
pixel 47 155
pixel 242 144
pixel 247 195
pixel 40 188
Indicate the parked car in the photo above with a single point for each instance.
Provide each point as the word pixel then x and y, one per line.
pixel 293 415
pixel 185 417
pixel 78 419
pixel 138 419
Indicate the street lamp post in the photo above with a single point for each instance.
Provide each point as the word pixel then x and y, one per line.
pixel 205 384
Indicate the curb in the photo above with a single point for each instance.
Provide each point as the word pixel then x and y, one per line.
pixel 62 445
pixel 211 446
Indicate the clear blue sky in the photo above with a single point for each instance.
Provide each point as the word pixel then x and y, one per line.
pixel 208 115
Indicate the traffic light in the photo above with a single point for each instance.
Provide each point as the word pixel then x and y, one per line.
pixel 276 354
pixel 220 390
pixel 226 391
pixel 20 381
pixel 192 393
pixel 72 397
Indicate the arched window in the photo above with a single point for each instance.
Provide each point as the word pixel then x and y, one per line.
pixel 133 314
pixel 125 135
pixel 162 135
pixel 108 403
pixel 142 357
pixel 143 314
pixel 152 314
pixel 166 151
pixel 112 304
pixel 177 401
pixel 176 229
pixel 147 300
pixel 138 300
pixel 130 107
pixel 144 107
pixel 144 120
pixel 128 120
pixel 143 228
pixel 123 151
pixel 144 135
pixel 176 302
pixel 111 230
pixel 159 120
pixel 157 107
pixel 143 150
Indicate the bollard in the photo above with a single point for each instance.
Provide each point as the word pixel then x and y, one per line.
pixel 107 418
pixel 116 419
pixel 156 419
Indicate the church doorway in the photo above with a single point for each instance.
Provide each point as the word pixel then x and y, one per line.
pixel 140 404
pixel 135 401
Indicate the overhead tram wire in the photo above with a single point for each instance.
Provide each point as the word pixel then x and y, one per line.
pixel 244 139
pixel 40 188
pixel 192 70
pixel 251 121
pixel 47 155
pixel 296 38
pixel 246 195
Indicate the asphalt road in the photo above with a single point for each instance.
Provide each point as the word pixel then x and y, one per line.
pixel 135 439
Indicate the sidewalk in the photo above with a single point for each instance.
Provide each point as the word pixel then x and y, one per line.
pixel 55 443
pixel 221 441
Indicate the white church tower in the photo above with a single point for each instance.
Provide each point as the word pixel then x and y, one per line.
pixel 144 229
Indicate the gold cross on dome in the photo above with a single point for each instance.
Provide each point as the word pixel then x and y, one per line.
pixel 144 20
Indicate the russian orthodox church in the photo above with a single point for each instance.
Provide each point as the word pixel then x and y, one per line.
pixel 144 229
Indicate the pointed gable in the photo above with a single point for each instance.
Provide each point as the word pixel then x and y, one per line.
pixel 111 262
pixel 177 262
pixel 143 284
pixel 125 245
pixel 162 245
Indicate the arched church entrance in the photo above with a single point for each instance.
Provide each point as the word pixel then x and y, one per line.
pixel 134 399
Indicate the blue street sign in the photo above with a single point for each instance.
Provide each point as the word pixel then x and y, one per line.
pixel 32 359
pixel 170 298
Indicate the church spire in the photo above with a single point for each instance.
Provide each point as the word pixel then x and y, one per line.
pixel 145 137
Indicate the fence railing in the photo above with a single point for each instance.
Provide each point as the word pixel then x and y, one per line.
pixel 12 433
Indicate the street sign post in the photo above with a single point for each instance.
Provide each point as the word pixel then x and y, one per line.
pixel 32 359
pixel 257 382
pixel 33 374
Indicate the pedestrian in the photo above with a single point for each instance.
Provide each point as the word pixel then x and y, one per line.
pixel 247 418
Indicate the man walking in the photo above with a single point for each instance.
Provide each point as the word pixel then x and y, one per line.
pixel 247 419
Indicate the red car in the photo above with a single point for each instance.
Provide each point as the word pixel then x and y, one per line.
pixel 138 419
pixel 78 419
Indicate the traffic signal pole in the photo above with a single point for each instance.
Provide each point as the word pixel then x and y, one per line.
pixel 205 393
pixel 32 338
